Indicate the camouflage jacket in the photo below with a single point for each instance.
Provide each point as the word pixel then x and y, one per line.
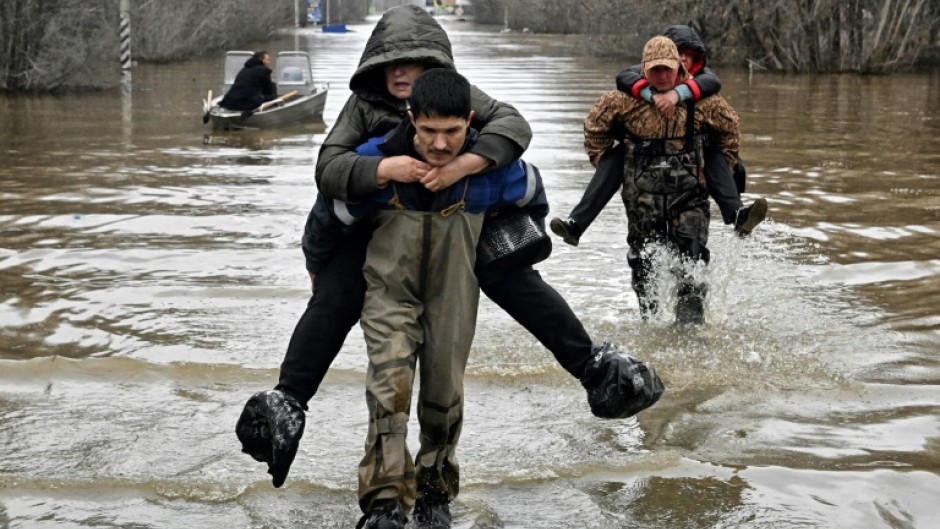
pixel 617 117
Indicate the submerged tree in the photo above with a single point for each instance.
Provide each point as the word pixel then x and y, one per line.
pixel 48 44
pixel 836 35
pixel 868 36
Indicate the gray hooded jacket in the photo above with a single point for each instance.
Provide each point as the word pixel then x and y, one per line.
pixel 405 33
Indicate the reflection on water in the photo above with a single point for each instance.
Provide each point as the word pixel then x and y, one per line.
pixel 151 276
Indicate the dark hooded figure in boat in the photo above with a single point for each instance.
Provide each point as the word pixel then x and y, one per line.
pixel 252 85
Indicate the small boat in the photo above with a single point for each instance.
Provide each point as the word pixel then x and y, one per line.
pixel 299 99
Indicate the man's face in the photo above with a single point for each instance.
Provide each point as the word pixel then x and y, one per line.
pixel 662 78
pixel 400 77
pixel 438 139
pixel 266 60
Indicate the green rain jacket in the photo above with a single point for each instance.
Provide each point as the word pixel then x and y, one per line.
pixel 405 33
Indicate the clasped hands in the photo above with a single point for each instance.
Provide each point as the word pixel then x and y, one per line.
pixel 406 169
pixel 666 102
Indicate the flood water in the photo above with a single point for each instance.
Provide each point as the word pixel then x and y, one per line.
pixel 151 277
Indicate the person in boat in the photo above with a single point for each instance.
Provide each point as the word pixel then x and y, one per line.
pixel 252 86
pixel 664 190
pixel 405 42
pixel 724 185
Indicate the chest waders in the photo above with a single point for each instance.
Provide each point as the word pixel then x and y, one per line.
pixel 667 202
pixel 419 316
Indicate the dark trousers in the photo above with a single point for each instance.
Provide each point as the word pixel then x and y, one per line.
pixel 603 186
pixel 337 303
pixel 338 295
pixel 721 185
pixel 538 307
pixel 608 178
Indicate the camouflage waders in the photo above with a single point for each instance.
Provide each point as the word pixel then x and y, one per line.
pixel 666 201
pixel 420 308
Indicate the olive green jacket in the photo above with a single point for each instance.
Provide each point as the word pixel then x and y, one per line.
pixel 406 33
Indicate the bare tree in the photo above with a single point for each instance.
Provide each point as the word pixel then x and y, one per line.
pixel 50 44
pixel 171 29
pixel 866 36
pixel 56 44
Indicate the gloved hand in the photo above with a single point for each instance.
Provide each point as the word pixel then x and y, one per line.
pixel 270 428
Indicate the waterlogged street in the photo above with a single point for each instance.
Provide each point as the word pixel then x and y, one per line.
pixel 151 276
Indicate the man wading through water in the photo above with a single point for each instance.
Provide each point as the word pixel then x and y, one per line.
pixel 664 188
pixel 420 306
pixel 405 42
pixel 724 186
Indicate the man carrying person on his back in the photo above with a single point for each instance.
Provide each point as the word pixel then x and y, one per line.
pixel 405 42
pixel 664 188
pixel 421 302
pixel 724 185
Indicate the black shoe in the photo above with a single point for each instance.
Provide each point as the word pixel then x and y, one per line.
pixel 385 517
pixel 568 230
pixel 429 515
pixel 748 218
pixel 270 428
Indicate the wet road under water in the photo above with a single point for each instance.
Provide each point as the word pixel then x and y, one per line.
pixel 151 277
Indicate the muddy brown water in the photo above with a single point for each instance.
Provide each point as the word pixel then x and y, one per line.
pixel 151 276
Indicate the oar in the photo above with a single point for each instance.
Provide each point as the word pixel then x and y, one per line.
pixel 206 107
pixel 248 113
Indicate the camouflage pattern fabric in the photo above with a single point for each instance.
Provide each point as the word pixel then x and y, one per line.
pixel 616 114
pixel 664 189
pixel 665 195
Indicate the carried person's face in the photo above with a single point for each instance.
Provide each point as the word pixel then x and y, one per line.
pixel 687 58
pixel 438 139
pixel 662 78
pixel 400 77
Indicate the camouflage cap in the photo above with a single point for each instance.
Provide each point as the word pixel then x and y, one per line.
pixel 660 51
